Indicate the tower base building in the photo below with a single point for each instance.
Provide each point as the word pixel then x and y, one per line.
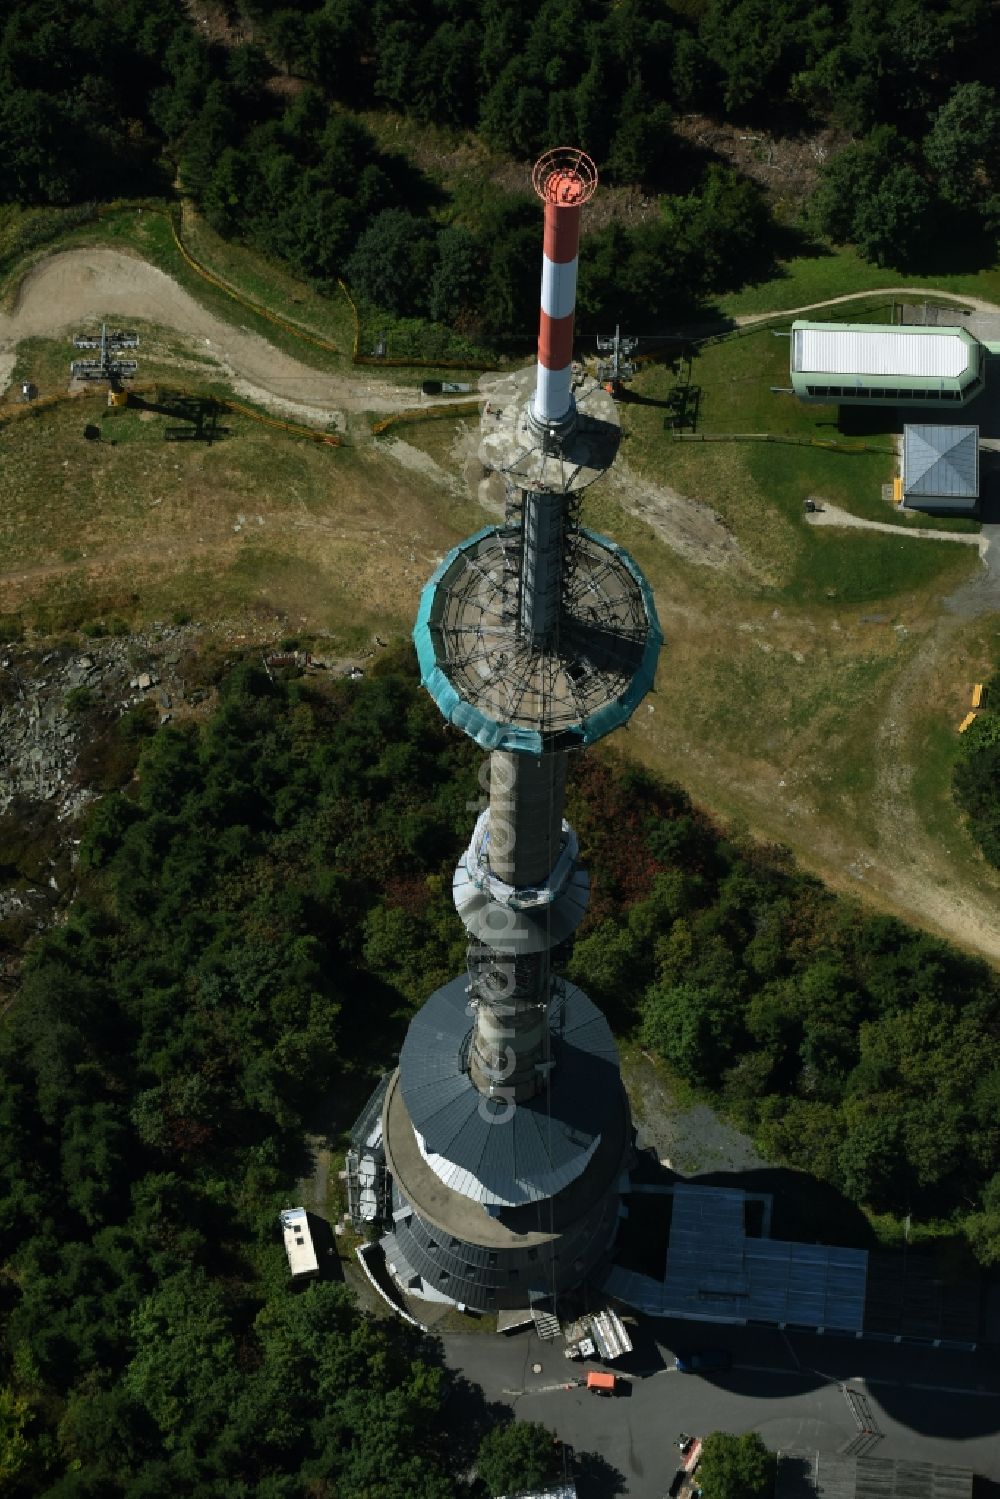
pixel 489 1211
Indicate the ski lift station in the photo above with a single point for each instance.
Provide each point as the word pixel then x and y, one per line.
pixel 858 363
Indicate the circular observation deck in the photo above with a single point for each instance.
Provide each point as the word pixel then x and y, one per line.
pixel 489 1151
pixel 510 694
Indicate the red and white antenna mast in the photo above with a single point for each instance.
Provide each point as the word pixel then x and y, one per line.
pixel 564 179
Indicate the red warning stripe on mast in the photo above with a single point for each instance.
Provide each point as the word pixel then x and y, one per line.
pixel 564 179
pixel 555 341
pixel 562 233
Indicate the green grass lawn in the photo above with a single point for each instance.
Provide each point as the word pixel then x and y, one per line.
pixel 415 339
pixel 28 232
pixel 162 356
pixel 759 487
pixel 170 368
pixel 841 272
pixel 270 284
pixel 972 657
pixel 148 234
pixel 774 681
pixel 939 746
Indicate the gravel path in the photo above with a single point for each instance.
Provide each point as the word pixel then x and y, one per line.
pixel 690 528
pixel 77 287
pixel 979 304
pixel 832 515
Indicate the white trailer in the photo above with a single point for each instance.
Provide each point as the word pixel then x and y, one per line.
pixel 299 1247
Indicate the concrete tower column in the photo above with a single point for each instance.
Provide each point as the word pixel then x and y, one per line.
pixel 527 795
pixel 509 1050
pixel 542 559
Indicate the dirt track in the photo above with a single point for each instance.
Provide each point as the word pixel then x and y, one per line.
pixel 745 320
pixel 689 527
pixel 832 515
pixel 78 287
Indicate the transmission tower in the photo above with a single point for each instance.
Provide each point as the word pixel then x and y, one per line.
pixel 506 1128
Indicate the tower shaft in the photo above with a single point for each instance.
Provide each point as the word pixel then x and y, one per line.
pixel 509 1054
pixel 543 544
pixel 506 1127
pixel 527 794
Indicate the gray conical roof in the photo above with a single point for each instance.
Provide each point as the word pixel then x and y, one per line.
pixel 941 461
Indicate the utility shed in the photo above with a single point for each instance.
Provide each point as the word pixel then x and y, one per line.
pixel 858 363
pixel 302 1261
pixel 940 468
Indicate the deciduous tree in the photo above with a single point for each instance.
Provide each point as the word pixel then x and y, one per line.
pixel 736 1467
pixel 518 1455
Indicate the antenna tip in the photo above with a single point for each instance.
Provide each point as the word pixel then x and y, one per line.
pixel 564 176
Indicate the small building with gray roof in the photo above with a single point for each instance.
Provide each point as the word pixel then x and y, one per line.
pixel 941 468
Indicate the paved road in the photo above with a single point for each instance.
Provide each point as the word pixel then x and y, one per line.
pixel 931 1405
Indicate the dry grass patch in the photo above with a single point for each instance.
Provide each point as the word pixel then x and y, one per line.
pixel 256 522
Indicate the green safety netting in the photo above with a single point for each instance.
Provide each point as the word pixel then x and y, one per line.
pixel 488 732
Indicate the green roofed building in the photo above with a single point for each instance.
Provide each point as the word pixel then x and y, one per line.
pixel 858 363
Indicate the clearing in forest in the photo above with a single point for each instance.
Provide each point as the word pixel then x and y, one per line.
pixel 811 679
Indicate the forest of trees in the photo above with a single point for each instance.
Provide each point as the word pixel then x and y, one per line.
pixel 856 1048
pixel 259 913
pixel 155 1073
pixel 261 910
pixel 104 98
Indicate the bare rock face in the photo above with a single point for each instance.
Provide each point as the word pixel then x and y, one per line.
pixel 56 703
